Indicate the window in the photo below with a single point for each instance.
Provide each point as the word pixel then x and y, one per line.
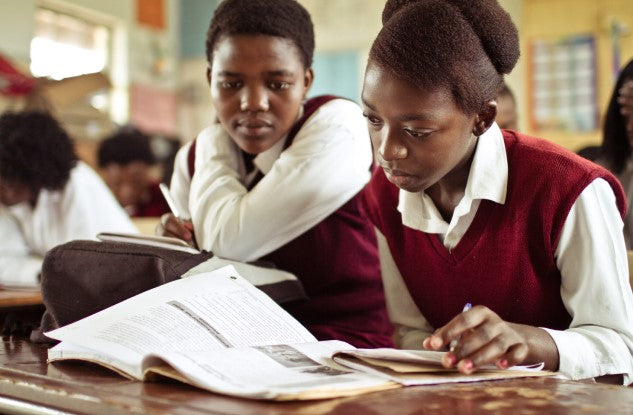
pixel 66 46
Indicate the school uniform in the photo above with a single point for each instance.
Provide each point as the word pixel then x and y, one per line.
pixel 303 215
pixel 154 205
pixel 83 208
pixel 537 238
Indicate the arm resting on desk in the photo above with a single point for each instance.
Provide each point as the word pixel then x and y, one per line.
pixel 18 267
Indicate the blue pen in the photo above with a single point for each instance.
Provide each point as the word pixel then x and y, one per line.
pixel 453 343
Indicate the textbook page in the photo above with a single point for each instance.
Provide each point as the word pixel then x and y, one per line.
pixel 279 372
pixel 424 367
pixel 149 240
pixel 207 311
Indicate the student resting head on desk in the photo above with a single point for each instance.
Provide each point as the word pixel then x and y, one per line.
pixel 47 196
pixel 265 187
pixel 526 231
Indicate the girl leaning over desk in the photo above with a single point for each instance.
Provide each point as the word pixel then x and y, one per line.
pixel 261 192
pixel 526 231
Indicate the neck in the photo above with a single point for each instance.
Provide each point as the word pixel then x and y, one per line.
pixel 449 191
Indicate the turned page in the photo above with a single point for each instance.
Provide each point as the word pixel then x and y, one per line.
pixel 207 311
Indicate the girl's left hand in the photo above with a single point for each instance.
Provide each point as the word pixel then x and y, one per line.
pixel 483 338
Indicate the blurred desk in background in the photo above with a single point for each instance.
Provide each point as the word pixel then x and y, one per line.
pixel 10 299
pixel 20 310
pixel 146 226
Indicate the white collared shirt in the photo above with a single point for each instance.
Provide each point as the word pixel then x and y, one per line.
pixel 590 255
pixel 82 209
pixel 326 165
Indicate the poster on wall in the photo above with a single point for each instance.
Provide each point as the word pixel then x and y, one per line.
pixel 153 110
pixel 563 77
pixel 151 13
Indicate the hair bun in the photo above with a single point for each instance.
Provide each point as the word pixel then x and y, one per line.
pixel 490 22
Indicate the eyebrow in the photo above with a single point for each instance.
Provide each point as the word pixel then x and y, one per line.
pixel 280 72
pixel 405 117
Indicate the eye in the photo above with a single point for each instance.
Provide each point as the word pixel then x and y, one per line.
pixel 372 120
pixel 416 133
pixel 230 84
pixel 279 85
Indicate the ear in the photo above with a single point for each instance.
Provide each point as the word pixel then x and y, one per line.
pixel 485 117
pixel 307 81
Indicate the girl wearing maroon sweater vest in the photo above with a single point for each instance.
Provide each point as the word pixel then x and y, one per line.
pixel 526 231
pixel 277 179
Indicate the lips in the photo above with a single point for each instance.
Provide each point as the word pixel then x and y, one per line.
pixel 395 172
pixel 253 126
pixel 401 179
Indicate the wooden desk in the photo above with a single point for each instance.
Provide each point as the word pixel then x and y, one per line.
pixel 29 385
pixel 19 298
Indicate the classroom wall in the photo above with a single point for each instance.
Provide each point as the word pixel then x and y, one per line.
pixel 344 32
pixel 556 18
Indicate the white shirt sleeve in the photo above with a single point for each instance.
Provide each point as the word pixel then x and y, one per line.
pixel 595 289
pixel 18 267
pixel 326 165
pixel 87 208
pixel 181 181
pixel 410 326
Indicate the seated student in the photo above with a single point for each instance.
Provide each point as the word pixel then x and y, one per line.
pixel 125 159
pixel 47 197
pixel 529 233
pixel 265 187
pixel 507 117
pixel 616 152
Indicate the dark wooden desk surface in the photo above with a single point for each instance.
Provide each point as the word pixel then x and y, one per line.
pixel 29 385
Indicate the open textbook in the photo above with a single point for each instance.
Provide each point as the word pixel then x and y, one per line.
pixel 218 332
pixel 150 240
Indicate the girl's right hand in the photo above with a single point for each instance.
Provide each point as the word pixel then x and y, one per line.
pixel 170 225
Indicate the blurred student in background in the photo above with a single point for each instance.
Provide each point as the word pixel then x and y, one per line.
pixel 617 141
pixel 125 161
pixel 278 180
pixel 47 196
pixel 507 117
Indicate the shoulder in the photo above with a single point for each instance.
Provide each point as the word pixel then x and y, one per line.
pixel 542 164
pixel 339 111
pixel 539 153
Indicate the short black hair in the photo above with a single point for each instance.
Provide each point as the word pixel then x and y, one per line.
pixel 616 148
pixel 126 145
pixel 35 150
pixel 465 46
pixel 282 18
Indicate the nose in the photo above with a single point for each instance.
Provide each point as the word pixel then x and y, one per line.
pixel 391 147
pixel 254 99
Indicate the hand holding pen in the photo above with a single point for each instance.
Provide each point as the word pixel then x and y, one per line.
pixel 478 337
pixel 174 224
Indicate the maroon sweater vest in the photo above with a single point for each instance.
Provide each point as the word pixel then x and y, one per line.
pixel 505 260
pixel 338 265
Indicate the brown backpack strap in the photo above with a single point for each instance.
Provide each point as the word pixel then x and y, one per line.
pixel 309 107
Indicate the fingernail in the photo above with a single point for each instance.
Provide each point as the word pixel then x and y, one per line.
pixel 466 365
pixel 427 343
pixel 449 360
pixel 503 364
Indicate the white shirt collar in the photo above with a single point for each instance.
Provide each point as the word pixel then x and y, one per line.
pixel 488 179
pixel 265 160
